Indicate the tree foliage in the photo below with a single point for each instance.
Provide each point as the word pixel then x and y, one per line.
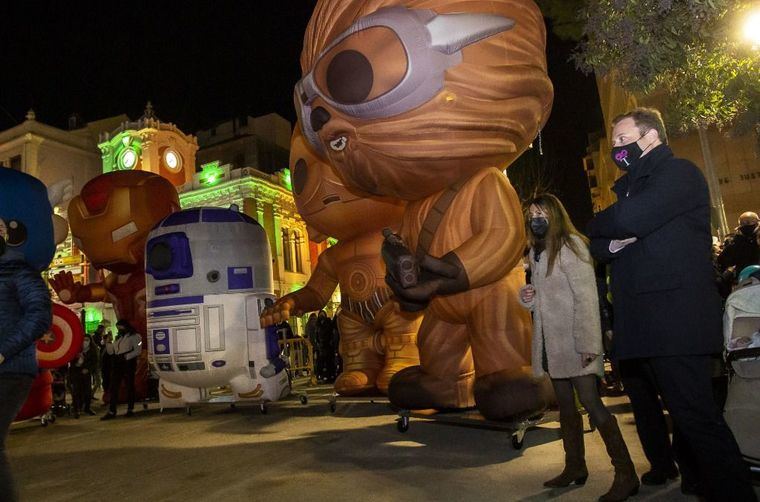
pixel 691 50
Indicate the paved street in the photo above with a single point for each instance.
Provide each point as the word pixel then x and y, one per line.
pixel 298 452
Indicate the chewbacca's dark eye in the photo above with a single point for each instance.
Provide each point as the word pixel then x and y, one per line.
pixel 349 77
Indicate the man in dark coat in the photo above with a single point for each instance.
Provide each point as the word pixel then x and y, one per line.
pixel 667 310
pixel 741 250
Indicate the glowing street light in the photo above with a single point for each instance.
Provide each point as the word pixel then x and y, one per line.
pixel 751 30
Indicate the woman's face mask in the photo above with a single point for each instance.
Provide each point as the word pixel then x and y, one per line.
pixel 539 225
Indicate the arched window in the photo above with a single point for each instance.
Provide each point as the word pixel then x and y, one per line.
pixel 287 253
pixel 298 242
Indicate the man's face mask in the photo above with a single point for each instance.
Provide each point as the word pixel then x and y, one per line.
pixel 626 156
pixel 748 230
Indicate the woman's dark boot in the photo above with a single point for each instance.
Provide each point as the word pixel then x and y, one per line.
pixel 626 481
pixel 575 470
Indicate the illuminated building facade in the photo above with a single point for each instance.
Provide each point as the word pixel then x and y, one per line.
pixel 150 145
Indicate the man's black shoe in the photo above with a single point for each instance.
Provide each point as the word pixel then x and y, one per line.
pixel 129 413
pixel 658 477
pixel 90 412
pixel 691 488
pixel 108 416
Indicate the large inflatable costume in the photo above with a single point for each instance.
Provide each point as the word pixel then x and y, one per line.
pixel 376 339
pixel 427 101
pixel 209 278
pixel 110 221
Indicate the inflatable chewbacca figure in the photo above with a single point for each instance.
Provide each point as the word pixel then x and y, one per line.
pixel 427 101
pixel 377 339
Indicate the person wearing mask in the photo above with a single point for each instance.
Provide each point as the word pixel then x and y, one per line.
pixel 81 369
pixel 28 237
pixel 125 349
pixel 741 250
pixel 567 341
pixel 667 322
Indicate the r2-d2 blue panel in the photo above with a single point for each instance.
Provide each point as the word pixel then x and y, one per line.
pixel 208 274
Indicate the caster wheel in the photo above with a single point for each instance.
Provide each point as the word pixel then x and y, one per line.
pixel 263 409
pixel 517 442
pixel 304 399
pixel 402 424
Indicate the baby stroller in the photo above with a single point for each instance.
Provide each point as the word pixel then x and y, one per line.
pixel 60 407
pixel 38 403
pixel 741 330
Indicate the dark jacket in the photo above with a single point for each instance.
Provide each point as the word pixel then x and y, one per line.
pixel 86 360
pixel 739 251
pixel 665 299
pixel 25 315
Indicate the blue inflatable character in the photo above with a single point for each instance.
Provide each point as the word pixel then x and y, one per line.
pixel 27 244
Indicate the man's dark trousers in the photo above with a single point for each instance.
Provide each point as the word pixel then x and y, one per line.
pixel 122 369
pixel 700 432
pixel 13 392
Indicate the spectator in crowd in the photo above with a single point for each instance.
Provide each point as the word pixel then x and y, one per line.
pixel 125 349
pixel 741 249
pixel 667 323
pixel 97 342
pixel 81 369
pixel 334 345
pixel 567 341
pixel 325 357
pixel 106 360
pixel 25 315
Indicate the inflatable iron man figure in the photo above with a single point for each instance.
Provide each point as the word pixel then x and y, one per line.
pixel 110 221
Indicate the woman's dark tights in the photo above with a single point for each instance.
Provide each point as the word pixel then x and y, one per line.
pixel 588 392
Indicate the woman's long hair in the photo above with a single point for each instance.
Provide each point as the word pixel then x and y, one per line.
pixel 559 232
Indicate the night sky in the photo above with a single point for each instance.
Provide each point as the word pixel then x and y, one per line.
pixel 201 63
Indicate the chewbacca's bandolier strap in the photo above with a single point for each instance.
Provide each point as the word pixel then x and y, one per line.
pixel 435 217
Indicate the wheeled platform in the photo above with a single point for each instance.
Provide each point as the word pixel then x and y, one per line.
pixel 472 418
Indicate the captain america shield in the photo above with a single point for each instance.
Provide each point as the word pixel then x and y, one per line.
pixel 63 341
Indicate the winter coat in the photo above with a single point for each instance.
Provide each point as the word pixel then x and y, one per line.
pixel 739 251
pixel 565 314
pixel 25 315
pixel 86 360
pixel 128 346
pixel 663 290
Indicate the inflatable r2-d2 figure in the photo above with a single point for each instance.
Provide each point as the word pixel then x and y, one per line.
pixel 209 274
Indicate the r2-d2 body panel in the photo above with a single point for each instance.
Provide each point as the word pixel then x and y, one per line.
pixel 208 273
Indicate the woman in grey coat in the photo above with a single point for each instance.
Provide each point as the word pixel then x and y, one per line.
pixel 567 341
